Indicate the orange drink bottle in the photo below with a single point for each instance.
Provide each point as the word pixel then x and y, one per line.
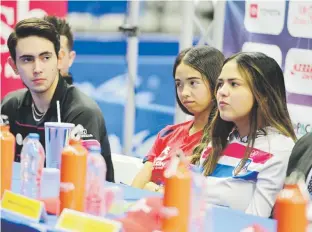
pixel 73 176
pixel 7 156
pixel 178 195
pixel 291 208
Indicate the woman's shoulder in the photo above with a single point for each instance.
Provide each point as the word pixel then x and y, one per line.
pixel 169 129
pixel 275 143
pixel 279 140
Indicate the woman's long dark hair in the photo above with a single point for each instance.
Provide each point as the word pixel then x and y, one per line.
pixel 266 82
pixel 208 61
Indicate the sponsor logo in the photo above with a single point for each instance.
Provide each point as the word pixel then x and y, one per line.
pixel 270 12
pixel 304 71
pixel 161 161
pixel 253 10
pixel 164 154
pixel 84 134
pixel 299 20
pixel 259 14
pixel 302 128
pixel 159 164
pixel 298 71
pixel 254 153
pixel 256 12
pixel 301 119
pixel 304 15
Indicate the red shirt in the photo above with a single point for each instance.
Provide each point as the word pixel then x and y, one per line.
pixel 168 141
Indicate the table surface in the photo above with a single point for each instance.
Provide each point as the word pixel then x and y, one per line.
pixel 235 220
pixel 130 194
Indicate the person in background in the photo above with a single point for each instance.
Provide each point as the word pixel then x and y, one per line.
pixel 246 156
pixel 67 43
pixel 195 72
pixel 34 47
pixel 301 159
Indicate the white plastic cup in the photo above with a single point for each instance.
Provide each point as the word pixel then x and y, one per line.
pixel 57 135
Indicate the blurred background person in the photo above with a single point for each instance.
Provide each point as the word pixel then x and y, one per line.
pixel 301 159
pixel 67 43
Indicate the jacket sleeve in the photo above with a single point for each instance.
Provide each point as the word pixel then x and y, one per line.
pixel 155 150
pixel 270 182
pixel 301 156
pixel 9 106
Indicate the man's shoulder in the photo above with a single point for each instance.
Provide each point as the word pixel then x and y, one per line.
pixel 303 146
pixel 175 129
pixel 301 155
pixel 79 102
pixel 307 138
pixel 80 98
pixel 14 99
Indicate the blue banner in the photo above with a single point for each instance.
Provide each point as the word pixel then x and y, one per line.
pixel 100 71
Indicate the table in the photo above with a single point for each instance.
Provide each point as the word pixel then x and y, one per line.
pixel 217 219
pixel 13 224
pixel 130 193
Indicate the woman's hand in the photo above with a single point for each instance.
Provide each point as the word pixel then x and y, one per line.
pixel 144 176
pixel 151 186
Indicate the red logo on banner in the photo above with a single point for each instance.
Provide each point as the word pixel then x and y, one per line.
pixel 304 15
pixel 305 10
pixel 253 10
pixel 305 70
pixel 11 13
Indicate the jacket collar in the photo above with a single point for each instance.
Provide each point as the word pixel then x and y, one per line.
pixel 58 93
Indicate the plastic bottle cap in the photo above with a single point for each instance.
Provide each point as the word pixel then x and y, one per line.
pixel 94 149
pixel 33 135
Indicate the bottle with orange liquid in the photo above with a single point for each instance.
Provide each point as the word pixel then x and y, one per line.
pixel 177 194
pixel 291 205
pixel 7 154
pixel 73 176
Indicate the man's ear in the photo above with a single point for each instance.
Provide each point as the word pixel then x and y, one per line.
pixel 61 55
pixel 13 65
pixel 72 56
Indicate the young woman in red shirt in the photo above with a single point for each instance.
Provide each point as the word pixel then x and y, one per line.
pixel 195 72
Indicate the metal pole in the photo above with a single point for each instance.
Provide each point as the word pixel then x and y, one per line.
pixel 132 58
pixel 186 40
pixel 218 24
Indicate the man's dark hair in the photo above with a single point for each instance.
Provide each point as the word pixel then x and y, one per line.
pixel 62 28
pixel 33 27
